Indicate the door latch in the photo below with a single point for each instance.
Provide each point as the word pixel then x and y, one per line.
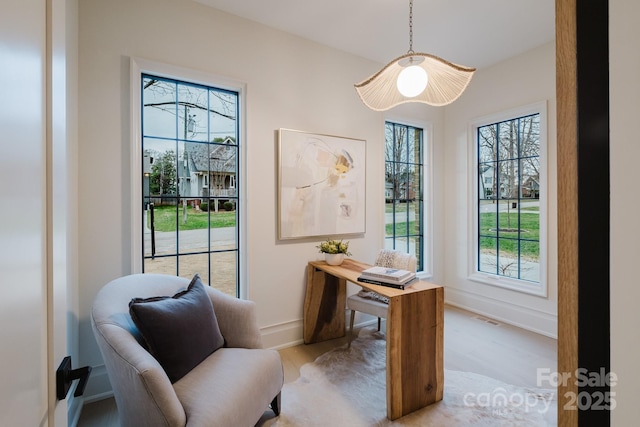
pixel 65 376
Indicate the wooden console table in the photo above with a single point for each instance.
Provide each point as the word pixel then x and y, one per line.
pixel 415 331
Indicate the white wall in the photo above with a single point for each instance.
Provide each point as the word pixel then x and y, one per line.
pixel 23 214
pixel 291 83
pixel 624 66
pixel 526 79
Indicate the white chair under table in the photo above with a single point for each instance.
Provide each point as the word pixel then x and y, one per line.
pixel 372 303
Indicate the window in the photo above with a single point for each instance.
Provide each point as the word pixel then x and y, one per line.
pixel 190 171
pixel 510 202
pixel 404 222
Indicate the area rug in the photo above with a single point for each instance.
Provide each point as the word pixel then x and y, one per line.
pixel 346 387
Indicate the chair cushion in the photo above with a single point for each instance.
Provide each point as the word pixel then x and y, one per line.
pixel 367 305
pixel 230 388
pixel 180 331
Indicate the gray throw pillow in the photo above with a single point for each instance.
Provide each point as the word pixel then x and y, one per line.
pixel 180 331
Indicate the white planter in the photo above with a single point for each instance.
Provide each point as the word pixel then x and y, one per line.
pixel 334 259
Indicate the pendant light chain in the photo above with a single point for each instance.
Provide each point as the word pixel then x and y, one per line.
pixel 410 26
pixel 406 78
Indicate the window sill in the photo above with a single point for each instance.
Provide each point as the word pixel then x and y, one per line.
pixel 536 289
pixel 424 276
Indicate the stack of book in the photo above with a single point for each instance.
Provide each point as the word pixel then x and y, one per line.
pixel 391 277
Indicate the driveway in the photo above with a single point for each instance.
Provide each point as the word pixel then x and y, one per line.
pixel 191 240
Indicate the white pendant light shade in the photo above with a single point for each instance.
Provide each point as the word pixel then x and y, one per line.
pixel 412 81
pixel 444 84
pixel 414 77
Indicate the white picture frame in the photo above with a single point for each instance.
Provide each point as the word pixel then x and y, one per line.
pixel 321 185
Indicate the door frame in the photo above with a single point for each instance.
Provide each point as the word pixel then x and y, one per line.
pixel 583 258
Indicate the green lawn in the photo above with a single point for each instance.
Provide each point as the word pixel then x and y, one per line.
pixel 529 225
pixel 165 218
pixel 509 247
pixel 400 207
pixel 529 228
pixel 401 228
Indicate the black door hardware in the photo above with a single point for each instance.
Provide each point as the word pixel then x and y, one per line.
pixel 65 376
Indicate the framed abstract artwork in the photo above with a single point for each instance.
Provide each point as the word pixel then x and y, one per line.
pixel 321 185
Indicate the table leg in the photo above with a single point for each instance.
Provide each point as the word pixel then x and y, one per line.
pixel 324 306
pixel 415 340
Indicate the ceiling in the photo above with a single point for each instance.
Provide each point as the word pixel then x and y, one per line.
pixel 474 33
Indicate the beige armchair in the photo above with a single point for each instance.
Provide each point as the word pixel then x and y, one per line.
pixel 233 386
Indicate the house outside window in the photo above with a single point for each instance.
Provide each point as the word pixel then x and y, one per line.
pixel 510 201
pixel 404 176
pixel 190 151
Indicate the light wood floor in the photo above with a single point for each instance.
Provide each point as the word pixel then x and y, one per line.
pixel 471 343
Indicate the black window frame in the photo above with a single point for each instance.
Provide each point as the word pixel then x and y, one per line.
pixel 397 164
pixel 515 196
pixel 177 198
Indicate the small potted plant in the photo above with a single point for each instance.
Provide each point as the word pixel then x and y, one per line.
pixel 334 251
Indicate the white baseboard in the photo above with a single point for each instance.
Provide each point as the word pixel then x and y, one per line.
pixel 526 318
pixel 282 335
pixel 289 334
pixel 74 409
pixel 97 397
pixel 98 387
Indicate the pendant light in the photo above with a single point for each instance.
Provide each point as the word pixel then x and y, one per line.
pixel 414 77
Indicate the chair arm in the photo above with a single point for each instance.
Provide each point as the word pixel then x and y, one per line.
pixel 143 392
pixel 237 320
